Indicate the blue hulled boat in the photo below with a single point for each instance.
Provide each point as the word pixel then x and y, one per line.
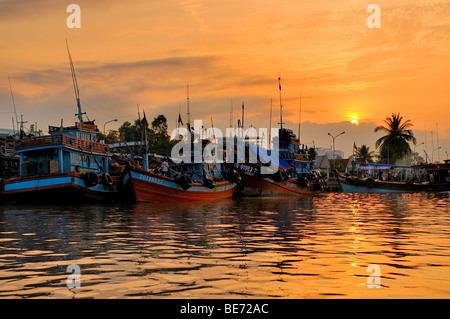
pixel 66 165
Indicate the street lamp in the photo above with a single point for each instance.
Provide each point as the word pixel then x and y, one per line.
pixel 417 145
pixel 415 151
pixel 334 148
pixel 426 156
pixel 388 147
pixel 104 126
pixel 432 153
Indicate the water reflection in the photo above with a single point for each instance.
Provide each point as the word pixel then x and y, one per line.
pixel 309 247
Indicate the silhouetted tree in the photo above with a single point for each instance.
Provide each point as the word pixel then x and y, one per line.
pixel 397 138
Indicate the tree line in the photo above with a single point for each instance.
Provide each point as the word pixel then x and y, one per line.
pixel 157 135
pixel 393 147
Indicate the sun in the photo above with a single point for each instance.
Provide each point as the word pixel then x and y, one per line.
pixel 355 120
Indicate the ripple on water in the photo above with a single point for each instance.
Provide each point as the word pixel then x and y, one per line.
pixel 308 247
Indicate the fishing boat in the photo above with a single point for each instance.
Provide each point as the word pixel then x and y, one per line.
pixel 294 175
pixel 65 166
pixel 287 180
pixel 162 179
pixel 395 178
pixel 9 162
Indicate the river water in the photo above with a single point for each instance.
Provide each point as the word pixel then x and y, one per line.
pixel 309 247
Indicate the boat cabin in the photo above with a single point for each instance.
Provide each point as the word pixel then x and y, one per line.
pixel 438 173
pixel 66 149
pixel 295 154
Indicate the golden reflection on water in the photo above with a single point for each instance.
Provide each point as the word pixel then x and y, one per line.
pixel 309 247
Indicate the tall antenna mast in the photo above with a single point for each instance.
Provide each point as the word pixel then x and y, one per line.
pixel 281 106
pixel 426 144
pixel 242 115
pixel 432 146
pixel 188 110
pixel 269 145
pixel 437 140
pixel 76 90
pixel 299 117
pixel 12 97
pixel 231 114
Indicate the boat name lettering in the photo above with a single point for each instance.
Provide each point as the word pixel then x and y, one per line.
pixel 151 179
pixel 247 168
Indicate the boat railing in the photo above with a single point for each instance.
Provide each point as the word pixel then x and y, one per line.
pixel 61 139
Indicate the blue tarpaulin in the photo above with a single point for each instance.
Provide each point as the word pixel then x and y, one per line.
pixel 372 168
pixel 266 156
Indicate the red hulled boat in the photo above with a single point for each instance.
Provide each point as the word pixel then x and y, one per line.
pixel 181 182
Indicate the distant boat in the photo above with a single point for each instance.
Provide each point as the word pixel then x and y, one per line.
pixel 181 182
pixel 9 163
pixel 422 178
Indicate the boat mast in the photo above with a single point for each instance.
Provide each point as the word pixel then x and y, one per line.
pixel 188 111
pixel 75 87
pixel 144 126
pixel 270 127
pixel 242 122
pixel 14 128
pixel 299 118
pixel 231 114
pixel 14 103
pixel 22 122
pixel 281 106
pixel 437 140
pixel 213 132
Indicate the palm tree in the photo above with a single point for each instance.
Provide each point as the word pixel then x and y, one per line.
pixel 397 138
pixel 364 154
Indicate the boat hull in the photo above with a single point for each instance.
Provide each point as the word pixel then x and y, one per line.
pixel 253 185
pixel 153 188
pixel 354 185
pixel 57 187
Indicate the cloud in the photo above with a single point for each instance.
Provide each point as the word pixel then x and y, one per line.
pixel 12 9
pixel 141 52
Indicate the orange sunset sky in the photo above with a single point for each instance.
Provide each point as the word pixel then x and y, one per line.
pixel 146 51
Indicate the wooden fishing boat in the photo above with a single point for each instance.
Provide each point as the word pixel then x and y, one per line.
pixel 188 182
pixel 294 175
pixel 427 178
pixel 65 166
pixel 62 167
pixel 282 182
